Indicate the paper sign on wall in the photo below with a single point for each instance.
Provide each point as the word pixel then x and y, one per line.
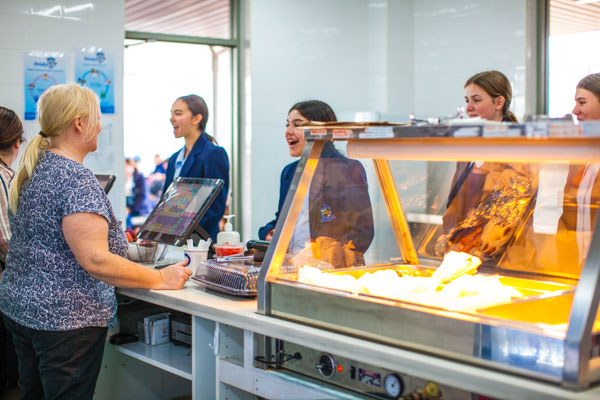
pixel 95 69
pixel 42 70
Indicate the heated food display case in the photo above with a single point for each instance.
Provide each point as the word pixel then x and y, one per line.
pixel 476 243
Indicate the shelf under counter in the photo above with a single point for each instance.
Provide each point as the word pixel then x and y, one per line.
pixel 168 357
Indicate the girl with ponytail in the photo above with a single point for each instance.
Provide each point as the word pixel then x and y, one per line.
pixel 488 95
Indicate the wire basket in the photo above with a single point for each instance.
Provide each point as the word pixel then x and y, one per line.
pixel 237 278
pixel 146 251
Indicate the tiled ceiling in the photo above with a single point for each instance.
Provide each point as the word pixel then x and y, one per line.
pixel 566 16
pixel 204 18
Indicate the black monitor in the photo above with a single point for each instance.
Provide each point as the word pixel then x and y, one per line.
pixel 106 181
pixel 179 210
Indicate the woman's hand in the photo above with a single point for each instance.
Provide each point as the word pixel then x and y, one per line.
pixel 174 276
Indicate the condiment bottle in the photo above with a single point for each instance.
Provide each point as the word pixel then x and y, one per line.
pixel 228 235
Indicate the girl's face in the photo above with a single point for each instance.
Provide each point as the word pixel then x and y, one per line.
pixel 481 104
pixel 293 135
pixel 184 123
pixel 587 105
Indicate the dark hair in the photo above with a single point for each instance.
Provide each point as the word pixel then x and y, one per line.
pixel 591 83
pixel 197 105
pixel 315 110
pixel 11 128
pixel 495 83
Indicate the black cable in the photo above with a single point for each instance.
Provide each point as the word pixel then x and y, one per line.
pixel 285 358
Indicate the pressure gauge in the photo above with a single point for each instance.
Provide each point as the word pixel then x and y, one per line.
pixel 393 386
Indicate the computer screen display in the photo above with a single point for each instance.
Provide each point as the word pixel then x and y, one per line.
pixel 106 181
pixel 180 209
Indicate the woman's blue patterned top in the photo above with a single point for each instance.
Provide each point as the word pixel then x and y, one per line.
pixel 43 286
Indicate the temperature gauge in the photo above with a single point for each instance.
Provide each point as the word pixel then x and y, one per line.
pixel 393 386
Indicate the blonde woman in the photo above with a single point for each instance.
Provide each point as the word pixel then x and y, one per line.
pixel 65 256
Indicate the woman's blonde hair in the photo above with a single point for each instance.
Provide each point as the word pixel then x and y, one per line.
pixel 58 107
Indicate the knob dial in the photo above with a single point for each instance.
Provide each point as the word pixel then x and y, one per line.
pixel 326 365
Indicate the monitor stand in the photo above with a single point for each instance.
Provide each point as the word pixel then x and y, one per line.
pixel 199 233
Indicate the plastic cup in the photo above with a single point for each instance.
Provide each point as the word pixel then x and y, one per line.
pixel 194 257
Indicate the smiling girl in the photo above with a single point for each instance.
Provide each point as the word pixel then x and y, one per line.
pixel 200 157
pixel 336 222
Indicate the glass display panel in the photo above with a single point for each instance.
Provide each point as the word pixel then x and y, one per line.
pixel 501 240
pixel 180 209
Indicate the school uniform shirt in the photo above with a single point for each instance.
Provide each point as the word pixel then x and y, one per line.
pixel 6 175
pixel 205 160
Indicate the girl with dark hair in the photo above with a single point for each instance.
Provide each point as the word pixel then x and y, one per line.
pixel 488 95
pixel 11 137
pixel 336 220
pixel 201 157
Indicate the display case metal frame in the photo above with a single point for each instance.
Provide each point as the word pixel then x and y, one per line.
pixel 421 328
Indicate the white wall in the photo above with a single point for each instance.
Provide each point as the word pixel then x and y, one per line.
pixel 55 25
pixel 300 50
pixel 388 56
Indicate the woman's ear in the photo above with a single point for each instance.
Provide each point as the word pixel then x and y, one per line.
pixel 499 102
pixel 78 124
pixel 196 119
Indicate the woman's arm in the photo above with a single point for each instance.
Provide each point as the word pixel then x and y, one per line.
pixel 87 233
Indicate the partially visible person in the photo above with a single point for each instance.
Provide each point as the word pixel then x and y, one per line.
pixel 587 98
pixel 66 252
pixel 11 137
pixel 336 220
pixel 156 180
pixel 138 200
pixel 582 187
pixel 200 157
pixel 160 165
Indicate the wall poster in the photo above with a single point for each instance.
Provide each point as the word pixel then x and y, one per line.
pixel 42 69
pixel 95 69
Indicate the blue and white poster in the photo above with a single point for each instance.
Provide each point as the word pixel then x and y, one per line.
pixel 95 69
pixel 42 70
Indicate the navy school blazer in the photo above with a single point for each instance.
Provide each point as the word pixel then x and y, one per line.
pixel 206 160
pixel 339 200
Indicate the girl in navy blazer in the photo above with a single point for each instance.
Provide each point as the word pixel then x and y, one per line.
pixel 200 157
pixel 336 223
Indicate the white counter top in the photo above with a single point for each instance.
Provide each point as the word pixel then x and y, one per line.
pixel 241 313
